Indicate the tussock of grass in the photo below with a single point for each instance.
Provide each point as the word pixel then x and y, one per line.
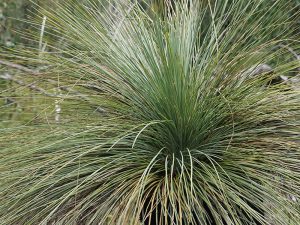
pixel 190 132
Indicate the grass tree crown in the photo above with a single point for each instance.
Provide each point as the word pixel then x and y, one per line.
pixel 192 131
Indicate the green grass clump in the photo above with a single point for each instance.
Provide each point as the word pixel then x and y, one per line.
pixel 180 124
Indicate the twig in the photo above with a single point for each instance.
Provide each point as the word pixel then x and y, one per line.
pixel 297 56
pixel 17 66
pixel 9 77
pixel 259 69
pixel 74 93
pixel 31 86
pixel 42 34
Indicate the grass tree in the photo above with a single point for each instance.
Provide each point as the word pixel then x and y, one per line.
pixel 169 118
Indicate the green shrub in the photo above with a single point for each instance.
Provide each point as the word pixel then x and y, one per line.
pixel 188 127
